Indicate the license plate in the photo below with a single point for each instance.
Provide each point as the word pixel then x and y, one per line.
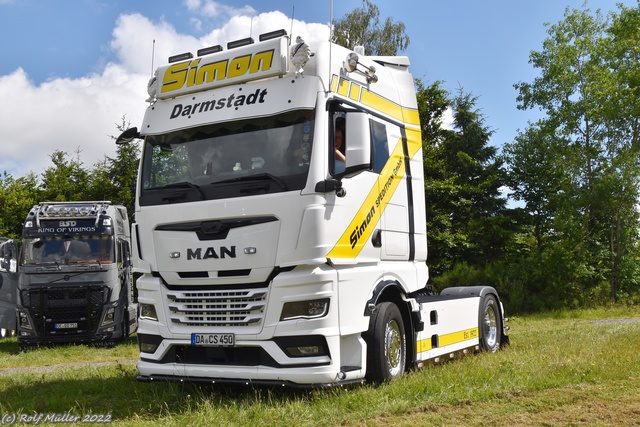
pixel 213 340
pixel 65 325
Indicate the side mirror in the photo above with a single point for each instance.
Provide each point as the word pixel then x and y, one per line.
pixel 329 185
pixel 128 136
pixel 127 254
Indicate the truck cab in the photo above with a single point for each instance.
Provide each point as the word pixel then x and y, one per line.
pixel 280 226
pixel 75 279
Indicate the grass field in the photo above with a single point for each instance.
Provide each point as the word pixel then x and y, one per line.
pixel 567 368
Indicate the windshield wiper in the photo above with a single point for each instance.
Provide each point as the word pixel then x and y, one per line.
pixel 182 184
pixel 256 177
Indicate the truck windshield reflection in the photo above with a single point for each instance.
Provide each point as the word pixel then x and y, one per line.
pixel 70 250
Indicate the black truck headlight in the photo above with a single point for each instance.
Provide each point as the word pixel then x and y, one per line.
pixel 311 309
pixel 25 322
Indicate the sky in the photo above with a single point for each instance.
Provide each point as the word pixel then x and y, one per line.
pixel 72 70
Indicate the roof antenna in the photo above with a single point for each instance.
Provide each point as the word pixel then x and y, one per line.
pixel 153 52
pixel 251 28
pixel 293 11
pixel 152 87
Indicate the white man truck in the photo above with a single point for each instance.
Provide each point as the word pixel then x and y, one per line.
pixel 75 278
pixel 266 257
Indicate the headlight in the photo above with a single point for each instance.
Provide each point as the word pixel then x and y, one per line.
pixel 311 309
pixel 25 322
pixel 108 316
pixel 148 312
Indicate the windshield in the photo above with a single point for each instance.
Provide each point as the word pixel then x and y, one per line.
pixel 68 250
pixel 233 159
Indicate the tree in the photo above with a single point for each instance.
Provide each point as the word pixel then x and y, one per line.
pixel 361 27
pixel 466 214
pixel 67 180
pixel 123 170
pixel 577 168
pixel 17 196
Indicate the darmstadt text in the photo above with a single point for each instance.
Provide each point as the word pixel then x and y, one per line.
pixel 235 100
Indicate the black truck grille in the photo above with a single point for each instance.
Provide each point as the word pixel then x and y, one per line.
pixel 65 310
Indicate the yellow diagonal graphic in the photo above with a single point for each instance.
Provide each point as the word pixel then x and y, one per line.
pixel 359 230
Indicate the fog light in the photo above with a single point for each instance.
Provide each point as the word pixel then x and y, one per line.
pixel 311 309
pixel 148 312
pixel 311 350
pixel 149 343
pixel 146 347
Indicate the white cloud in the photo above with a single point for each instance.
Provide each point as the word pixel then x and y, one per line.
pixel 447 119
pixel 70 114
pixel 213 9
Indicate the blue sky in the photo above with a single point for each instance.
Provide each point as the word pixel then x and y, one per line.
pixel 71 69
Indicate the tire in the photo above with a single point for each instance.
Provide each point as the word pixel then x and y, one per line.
pixel 386 344
pixel 490 324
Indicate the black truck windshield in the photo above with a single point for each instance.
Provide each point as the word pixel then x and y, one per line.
pixel 232 159
pixel 68 250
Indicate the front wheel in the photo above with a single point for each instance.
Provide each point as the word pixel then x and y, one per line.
pixel 490 324
pixel 386 344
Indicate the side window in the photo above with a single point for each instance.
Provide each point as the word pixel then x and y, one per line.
pixel 338 153
pixel 379 145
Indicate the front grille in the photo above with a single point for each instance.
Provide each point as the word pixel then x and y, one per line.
pixel 218 308
pixel 51 307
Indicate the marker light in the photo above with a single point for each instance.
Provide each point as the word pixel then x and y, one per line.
pixel 238 43
pixel 209 50
pixel 180 57
pixel 272 35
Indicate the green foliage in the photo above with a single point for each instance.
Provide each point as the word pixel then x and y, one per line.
pixel 577 168
pixel 467 219
pixel 68 180
pixel 362 28
pixel 17 195
pixel 65 180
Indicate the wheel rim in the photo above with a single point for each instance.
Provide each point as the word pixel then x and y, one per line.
pixel 393 348
pixel 490 327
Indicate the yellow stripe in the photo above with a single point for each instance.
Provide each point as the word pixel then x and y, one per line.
pixel 457 337
pixel 379 103
pixel 374 101
pixel 411 116
pixel 447 339
pixel 355 92
pixel 362 225
pixel 343 87
pixel 334 84
pixel 423 345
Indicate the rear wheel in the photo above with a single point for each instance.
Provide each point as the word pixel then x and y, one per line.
pixel 490 324
pixel 386 344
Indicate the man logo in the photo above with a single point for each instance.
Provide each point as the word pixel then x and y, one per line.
pixel 210 252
